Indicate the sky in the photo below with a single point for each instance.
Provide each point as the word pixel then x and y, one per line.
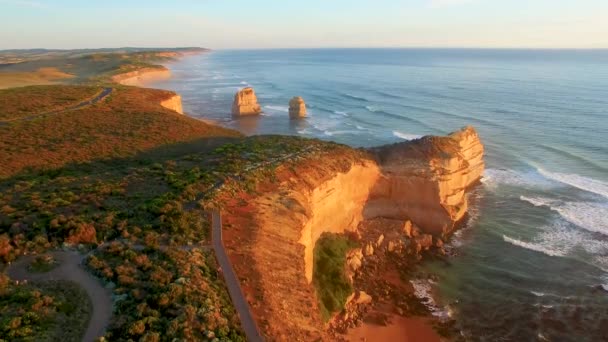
pixel 246 24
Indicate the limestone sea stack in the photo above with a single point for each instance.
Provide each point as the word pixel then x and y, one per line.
pixel 245 103
pixel 297 108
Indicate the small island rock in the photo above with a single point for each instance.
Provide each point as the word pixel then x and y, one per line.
pixel 297 108
pixel 245 103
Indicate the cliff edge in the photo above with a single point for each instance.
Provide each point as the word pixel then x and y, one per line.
pixel 173 103
pixel 425 180
pixel 273 232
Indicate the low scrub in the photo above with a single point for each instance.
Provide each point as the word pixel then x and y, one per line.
pixel 49 311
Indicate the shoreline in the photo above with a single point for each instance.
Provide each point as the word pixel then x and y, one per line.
pixel 397 325
pixel 145 76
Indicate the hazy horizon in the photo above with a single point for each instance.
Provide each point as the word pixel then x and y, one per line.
pixel 518 24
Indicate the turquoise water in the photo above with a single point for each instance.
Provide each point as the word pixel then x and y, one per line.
pixel 533 260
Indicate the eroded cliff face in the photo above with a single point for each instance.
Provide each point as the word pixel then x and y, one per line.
pixel 336 206
pixel 245 103
pixel 174 103
pixel 423 180
pixel 272 235
pixel 142 76
pixel 426 180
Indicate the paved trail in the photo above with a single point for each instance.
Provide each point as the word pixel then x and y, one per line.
pixel 70 269
pixel 232 282
pixel 102 95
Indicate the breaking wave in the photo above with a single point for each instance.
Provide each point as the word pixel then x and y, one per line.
pixel 579 182
pixel 406 136
pixel 278 108
pixel 592 216
pixel 534 247
pixel 423 291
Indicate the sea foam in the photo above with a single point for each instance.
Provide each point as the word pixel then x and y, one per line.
pixel 423 291
pixel 592 216
pixel 577 181
pixel 278 108
pixel 406 136
pixel 534 247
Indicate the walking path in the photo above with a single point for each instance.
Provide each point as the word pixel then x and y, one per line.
pixel 232 282
pixel 102 95
pixel 70 268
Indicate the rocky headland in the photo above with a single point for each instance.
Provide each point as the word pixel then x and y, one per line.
pixel 396 202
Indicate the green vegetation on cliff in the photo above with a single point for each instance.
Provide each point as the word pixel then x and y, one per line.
pixel 329 278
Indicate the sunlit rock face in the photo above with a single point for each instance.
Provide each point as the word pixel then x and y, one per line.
pixel 297 108
pixel 426 180
pixel 142 76
pixel 173 103
pixel 246 103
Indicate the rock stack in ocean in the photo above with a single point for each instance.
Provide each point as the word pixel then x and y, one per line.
pixel 245 103
pixel 297 108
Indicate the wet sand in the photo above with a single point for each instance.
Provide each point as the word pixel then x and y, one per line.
pixel 399 329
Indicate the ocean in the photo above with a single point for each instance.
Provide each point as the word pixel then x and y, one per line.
pixel 532 263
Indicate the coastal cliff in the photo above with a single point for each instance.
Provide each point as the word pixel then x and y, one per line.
pixel 173 103
pixel 141 76
pixel 424 181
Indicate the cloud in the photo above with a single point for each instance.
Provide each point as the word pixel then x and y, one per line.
pixel 24 3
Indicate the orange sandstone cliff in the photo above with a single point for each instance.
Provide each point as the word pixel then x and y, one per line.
pixel 271 239
pixel 297 108
pixel 426 180
pixel 173 103
pixel 142 76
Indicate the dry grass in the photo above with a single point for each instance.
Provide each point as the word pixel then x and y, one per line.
pixel 21 102
pixel 129 121
pixel 42 76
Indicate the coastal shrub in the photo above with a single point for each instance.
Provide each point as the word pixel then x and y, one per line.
pixel 166 295
pixel 43 263
pixel 49 311
pixel 329 278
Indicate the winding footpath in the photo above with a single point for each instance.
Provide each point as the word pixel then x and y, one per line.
pixel 102 95
pixel 70 269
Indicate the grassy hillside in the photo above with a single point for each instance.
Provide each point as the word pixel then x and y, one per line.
pixel 126 123
pixel 17 103
pixel 129 181
pixel 39 67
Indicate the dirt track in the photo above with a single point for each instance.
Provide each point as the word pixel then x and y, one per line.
pixel 70 268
